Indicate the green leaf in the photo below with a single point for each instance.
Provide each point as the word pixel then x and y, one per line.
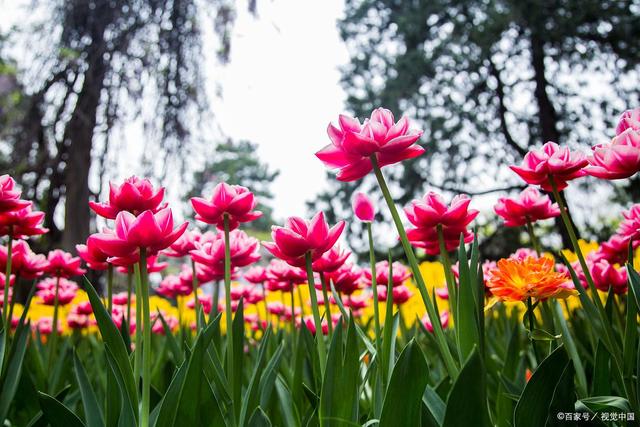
pixel 13 367
pixel 56 413
pixel 92 411
pixel 128 413
pixel 238 351
pixel 339 399
pixel 466 317
pixel 39 419
pixel 259 419
pixel 604 403
pixel 434 404
pixel 402 399
pixel 251 396
pixel 115 344
pixel 178 356
pixel 533 406
pixel 467 402
pixel 601 382
pixel 564 395
pixel 542 335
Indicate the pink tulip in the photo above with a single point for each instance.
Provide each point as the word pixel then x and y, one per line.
pixel 83 307
pixel 172 287
pixel 352 144
pixel 244 250
pixel 44 325
pixel 22 222
pixel 67 291
pixel 282 276
pixel 118 315
pixel 299 237
pixel 151 231
pixel 426 214
pixel 204 301
pixel 311 326
pixel 3 280
pixel 203 274
pixel 444 321
pixel 630 119
pixel 275 307
pixel 400 274
pixel 186 243
pixel 158 327
pixel 401 294
pixel 615 250
pixel 92 255
pixel 551 161
pixel 253 295
pixel 24 263
pixel 256 275
pixel 63 264
pixel 10 196
pixel 618 159
pixel 606 275
pixel 135 195
pixel 78 321
pixel 356 303
pixel 363 208
pixel 333 259
pixel 629 228
pixel 234 201
pixel 528 207
pixel 347 279
pixel 121 298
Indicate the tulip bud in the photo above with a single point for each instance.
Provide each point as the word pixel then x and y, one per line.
pixel 363 208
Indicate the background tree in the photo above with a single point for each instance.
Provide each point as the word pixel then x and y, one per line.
pixel 487 80
pixel 238 163
pixel 95 65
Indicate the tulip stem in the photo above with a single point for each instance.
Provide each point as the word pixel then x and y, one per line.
pixel 327 303
pixel 196 303
pixel 293 314
pixel 129 286
pixel 374 291
pixel 146 344
pixel 531 320
pixel 534 239
pixel 322 352
pixel 413 263
pixel 229 315
pixel 13 302
pixel 54 326
pixel 7 282
pixel 448 273
pixel 137 356
pixel 388 364
pixel 110 287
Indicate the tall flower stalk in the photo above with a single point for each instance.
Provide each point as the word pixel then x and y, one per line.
pixel 322 352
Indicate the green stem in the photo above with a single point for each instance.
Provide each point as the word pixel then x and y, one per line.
pixel 196 303
pixel 322 352
pixel 374 289
pixel 293 312
pixel 413 263
pixel 129 287
pixel 534 239
pixel 137 355
pixel 7 279
pixel 110 288
pixel 228 311
pixel 448 273
pixel 146 343
pixel 327 304
pixel 12 304
pixel 531 326
pixel 388 328
pixel 54 326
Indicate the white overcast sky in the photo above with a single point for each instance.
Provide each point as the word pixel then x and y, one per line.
pixel 279 90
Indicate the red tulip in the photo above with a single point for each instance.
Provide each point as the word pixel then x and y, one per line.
pixel 299 237
pixel 551 161
pixel 151 231
pixel 311 326
pixel 615 250
pixel 352 144
pixel 275 308
pixel 618 159
pixel 172 287
pixel 67 291
pixel 528 207
pixel 431 211
pixel 363 208
pixel 84 307
pixel 63 264
pixel 121 298
pixel 606 276
pixel 118 315
pixel 356 303
pixel 135 195
pixel 77 320
pixel 10 196
pixel 333 259
pixel 244 250
pixel 400 274
pixel 234 201
pixel 256 275
pixel 24 262
pixel 22 222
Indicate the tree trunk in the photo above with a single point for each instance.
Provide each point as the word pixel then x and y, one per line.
pixel 547 115
pixel 78 143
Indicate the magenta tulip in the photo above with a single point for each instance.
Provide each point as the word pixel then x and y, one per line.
pixel 363 208
pixel 528 207
pixel 347 279
pixel 352 144
pixel 22 222
pixel 400 274
pixel 606 276
pixel 172 287
pixel 235 202
pixel 244 250
pixel 24 262
pixel 256 275
pixel 63 264
pixel 135 195
pixel 630 119
pixel 67 291
pixel 430 212
pixel 560 163
pixel 10 196
pixel 331 260
pixel 618 159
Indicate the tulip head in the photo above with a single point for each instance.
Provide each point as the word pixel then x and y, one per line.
pixel 234 202
pixel 135 195
pixel 528 207
pixel 559 163
pixel 363 208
